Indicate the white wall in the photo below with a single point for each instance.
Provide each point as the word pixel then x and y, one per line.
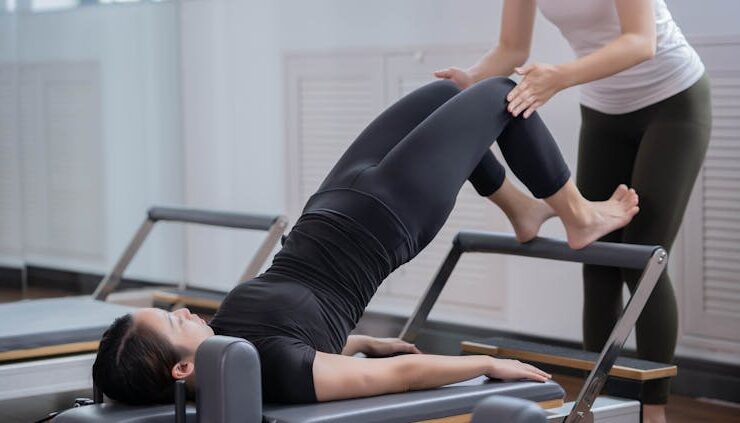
pixel 714 17
pixel 135 48
pixel 232 127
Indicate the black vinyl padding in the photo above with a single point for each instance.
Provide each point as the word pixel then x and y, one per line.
pixel 412 406
pixel 498 408
pixel 229 381
pixel 55 321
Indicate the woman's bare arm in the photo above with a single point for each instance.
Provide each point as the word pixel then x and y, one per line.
pixel 341 377
pixel 514 43
pixel 512 50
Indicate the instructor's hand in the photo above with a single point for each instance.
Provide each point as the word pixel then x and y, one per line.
pixel 541 81
pixel 384 347
pixel 460 77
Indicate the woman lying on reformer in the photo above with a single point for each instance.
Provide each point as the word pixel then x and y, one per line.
pixel 381 204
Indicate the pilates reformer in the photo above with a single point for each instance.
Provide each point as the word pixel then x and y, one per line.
pixel 47 345
pixel 588 405
pixel 229 391
pixel 238 399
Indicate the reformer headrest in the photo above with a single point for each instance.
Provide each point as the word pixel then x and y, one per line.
pixel 228 377
pixel 498 408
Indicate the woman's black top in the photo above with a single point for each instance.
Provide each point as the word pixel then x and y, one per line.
pixel 313 294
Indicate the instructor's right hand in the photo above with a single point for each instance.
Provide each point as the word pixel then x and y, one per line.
pixel 459 76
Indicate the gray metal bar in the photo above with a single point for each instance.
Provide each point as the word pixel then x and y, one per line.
pixel 273 236
pixel 622 329
pixel 214 218
pixel 275 224
pixel 113 278
pixel 413 325
pixel 599 253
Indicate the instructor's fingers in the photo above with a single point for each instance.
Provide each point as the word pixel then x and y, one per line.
pixel 536 105
pixel 516 91
pixel 527 101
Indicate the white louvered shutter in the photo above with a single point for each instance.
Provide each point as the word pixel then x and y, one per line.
pixel 10 192
pixel 712 224
pixel 61 164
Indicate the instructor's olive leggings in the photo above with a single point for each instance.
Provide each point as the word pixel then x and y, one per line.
pixel 659 151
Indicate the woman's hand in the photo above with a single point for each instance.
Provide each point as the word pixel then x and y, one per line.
pixel 541 81
pixel 384 347
pixel 460 77
pixel 515 369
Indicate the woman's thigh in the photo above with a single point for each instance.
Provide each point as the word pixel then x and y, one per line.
pixel 419 179
pixel 387 130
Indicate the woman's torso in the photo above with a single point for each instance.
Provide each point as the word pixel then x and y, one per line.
pixel 316 288
pixel 589 25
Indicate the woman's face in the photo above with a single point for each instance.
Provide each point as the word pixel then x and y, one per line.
pixel 183 329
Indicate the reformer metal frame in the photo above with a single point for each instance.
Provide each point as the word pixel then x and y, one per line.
pixel 652 259
pixel 274 225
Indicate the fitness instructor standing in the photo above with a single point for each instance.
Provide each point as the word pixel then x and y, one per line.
pixel 645 122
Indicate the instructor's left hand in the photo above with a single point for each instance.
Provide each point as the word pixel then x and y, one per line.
pixel 541 81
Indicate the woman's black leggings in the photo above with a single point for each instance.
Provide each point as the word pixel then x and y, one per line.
pixel 416 155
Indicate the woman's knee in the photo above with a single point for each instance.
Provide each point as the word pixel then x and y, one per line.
pixel 492 89
pixel 442 88
pixel 499 85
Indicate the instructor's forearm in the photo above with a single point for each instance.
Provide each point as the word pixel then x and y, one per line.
pixel 499 61
pixel 431 371
pixel 622 53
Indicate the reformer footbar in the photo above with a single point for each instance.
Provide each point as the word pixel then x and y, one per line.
pixel 33 334
pixel 652 259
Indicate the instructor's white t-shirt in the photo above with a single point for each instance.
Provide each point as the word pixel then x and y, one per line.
pixel 590 24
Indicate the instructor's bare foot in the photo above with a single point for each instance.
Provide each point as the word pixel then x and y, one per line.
pixel 529 219
pixel 599 218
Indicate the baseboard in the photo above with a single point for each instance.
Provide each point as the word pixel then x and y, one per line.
pixel 696 377
pixel 76 283
pixel 10 278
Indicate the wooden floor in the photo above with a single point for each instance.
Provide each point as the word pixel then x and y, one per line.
pixel 680 409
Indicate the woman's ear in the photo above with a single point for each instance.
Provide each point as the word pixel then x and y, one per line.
pixel 183 369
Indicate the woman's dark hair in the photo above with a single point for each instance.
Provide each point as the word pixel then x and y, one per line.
pixel 134 364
